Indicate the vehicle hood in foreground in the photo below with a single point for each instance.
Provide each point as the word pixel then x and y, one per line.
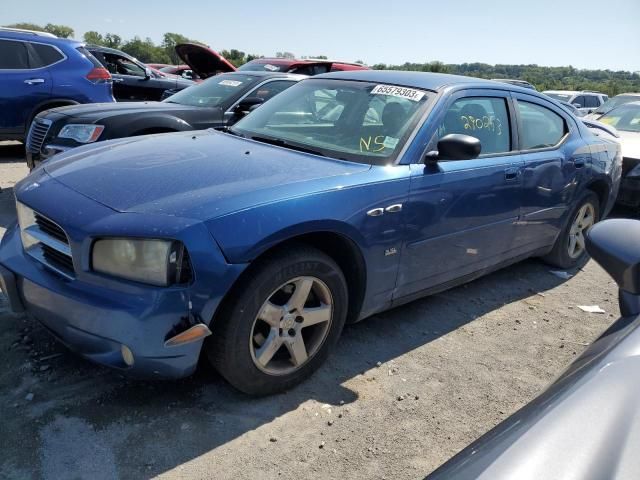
pixel 92 112
pixel 193 175
pixel 630 144
pixel 202 60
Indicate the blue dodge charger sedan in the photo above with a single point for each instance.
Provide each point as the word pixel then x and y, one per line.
pixel 346 195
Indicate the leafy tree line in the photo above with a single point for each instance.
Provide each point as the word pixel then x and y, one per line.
pixel 544 78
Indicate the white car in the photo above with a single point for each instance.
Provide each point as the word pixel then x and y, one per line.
pixel 586 101
pixel 612 103
pixel 626 120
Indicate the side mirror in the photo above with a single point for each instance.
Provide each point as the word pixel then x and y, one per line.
pixel 615 245
pixel 248 104
pixel 455 146
pixel 147 73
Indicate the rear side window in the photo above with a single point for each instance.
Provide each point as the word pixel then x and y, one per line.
pixel 541 127
pixel 485 118
pixel 13 55
pixel 43 55
pixel 591 101
pixel 89 56
pixel 578 102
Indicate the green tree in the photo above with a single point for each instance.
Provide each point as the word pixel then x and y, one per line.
pixel 169 42
pixel 145 50
pixel 93 38
pixel 61 31
pixel 26 26
pixel 112 40
pixel 285 55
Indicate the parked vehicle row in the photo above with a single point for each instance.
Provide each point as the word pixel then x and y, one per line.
pixel 585 101
pixel 218 102
pixel 345 195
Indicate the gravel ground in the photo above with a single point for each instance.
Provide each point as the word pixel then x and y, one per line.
pixel 404 391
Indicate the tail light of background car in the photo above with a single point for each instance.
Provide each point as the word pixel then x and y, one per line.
pixel 99 75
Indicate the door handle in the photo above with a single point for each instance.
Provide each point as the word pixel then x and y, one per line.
pixel 511 174
pixel 394 208
pixel 117 80
pixel 34 81
pixel 578 162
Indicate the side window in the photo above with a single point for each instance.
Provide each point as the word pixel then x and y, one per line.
pixel 541 127
pixel 43 55
pixel 270 89
pixel 579 101
pixel 591 101
pixel 122 66
pixel 485 118
pixel 13 55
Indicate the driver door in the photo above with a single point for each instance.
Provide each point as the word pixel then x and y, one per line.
pixel 462 214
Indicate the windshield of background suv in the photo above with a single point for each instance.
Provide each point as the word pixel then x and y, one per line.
pixel 357 121
pixel 625 118
pixel 564 97
pixel 214 91
pixel 616 102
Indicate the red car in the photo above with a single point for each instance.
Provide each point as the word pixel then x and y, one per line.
pixel 310 66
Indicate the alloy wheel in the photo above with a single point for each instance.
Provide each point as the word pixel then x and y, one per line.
pixel 291 325
pixel 584 219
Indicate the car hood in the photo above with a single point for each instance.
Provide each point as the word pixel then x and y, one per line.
pixel 202 60
pixel 91 112
pixel 630 144
pixel 193 175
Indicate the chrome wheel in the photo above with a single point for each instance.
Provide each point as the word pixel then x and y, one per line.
pixel 584 220
pixel 291 325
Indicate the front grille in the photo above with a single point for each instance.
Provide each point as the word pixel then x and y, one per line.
pixel 45 241
pixel 37 134
pixel 50 228
pixel 57 259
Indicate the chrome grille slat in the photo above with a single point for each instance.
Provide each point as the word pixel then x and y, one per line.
pixel 37 134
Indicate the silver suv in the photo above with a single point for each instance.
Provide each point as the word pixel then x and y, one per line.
pixel 586 101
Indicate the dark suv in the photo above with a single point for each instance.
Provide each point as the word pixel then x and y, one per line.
pixel 133 80
pixel 39 71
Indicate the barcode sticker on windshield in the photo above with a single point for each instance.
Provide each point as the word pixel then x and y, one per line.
pixel 230 83
pixel 401 92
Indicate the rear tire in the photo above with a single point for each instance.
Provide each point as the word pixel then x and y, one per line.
pixel 281 322
pixel 569 249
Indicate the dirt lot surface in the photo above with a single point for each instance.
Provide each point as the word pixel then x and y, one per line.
pixel 404 391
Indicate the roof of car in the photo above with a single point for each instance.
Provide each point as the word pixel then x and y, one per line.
pixel 423 80
pixel 44 37
pixel 264 73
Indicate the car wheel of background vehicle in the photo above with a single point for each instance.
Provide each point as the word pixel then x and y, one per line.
pixel 569 249
pixel 281 322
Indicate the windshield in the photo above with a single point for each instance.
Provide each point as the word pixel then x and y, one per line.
pixel 261 67
pixel 357 121
pixel 563 97
pixel 214 91
pixel 625 118
pixel 616 102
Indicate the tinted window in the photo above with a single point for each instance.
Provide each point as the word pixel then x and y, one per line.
pixel 13 55
pixel 484 118
pixel 578 100
pixel 271 89
pixel 591 101
pixel 541 127
pixel 310 69
pixel 44 55
pixel 122 66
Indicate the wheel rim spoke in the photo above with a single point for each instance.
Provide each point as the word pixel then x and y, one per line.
pixel 572 245
pixel 269 348
pixel 315 315
pixel 580 242
pixel 297 350
pixel 300 294
pixel 271 314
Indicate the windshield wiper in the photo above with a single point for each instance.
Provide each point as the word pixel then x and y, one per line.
pixel 282 143
pixel 232 132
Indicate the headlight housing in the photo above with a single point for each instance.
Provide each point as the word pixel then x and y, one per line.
pixel 154 262
pixel 81 133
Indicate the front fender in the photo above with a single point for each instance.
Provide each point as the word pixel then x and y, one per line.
pixel 137 124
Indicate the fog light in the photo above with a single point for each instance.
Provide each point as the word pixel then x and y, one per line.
pixel 127 355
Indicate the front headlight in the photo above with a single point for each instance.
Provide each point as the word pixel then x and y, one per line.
pixel 81 133
pixel 156 262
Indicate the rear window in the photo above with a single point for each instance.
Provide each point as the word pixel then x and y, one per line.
pixel 87 54
pixel 13 55
pixel 44 55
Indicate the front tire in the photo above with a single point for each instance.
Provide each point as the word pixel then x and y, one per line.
pixel 281 322
pixel 569 249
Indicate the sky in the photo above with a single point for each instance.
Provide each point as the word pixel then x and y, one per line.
pixel 581 33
